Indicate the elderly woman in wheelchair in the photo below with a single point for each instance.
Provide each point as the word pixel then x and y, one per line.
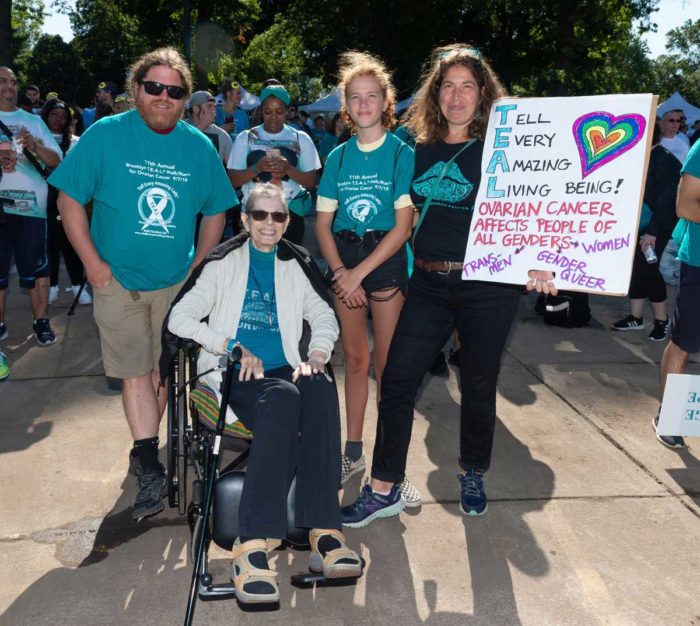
pixel 258 297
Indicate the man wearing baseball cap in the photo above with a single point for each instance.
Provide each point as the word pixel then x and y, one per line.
pixel 106 93
pixel 201 110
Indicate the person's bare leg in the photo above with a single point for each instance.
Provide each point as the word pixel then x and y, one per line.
pixel 637 307
pixel 141 406
pixel 161 392
pixel 673 361
pixel 385 315
pixel 659 310
pixel 39 297
pixel 354 339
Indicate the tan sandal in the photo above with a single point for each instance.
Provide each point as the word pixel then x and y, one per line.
pixel 243 572
pixel 341 562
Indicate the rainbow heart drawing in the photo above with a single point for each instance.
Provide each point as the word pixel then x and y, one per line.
pixel 602 137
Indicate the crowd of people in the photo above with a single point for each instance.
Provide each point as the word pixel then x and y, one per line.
pixel 136 192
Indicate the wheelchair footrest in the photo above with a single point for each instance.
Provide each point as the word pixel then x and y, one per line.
pixel 219 591
pixel 317 578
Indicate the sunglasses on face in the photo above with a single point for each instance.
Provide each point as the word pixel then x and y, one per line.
pixel 279 217
pixel 153 88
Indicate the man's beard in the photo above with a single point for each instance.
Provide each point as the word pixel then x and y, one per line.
pixel 159 119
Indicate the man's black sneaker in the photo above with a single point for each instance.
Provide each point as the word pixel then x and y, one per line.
pixel 152 489
pixel 439 365
pixel 629 323
pixel 660 330
pixel 675 442
pixel 42 330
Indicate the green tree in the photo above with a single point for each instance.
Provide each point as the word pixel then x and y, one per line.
pixel 55 65
pixel 106 38
pixel 20 27
pixel 679 70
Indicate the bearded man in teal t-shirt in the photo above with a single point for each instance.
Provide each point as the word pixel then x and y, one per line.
pixel 685 328
pixel 148 175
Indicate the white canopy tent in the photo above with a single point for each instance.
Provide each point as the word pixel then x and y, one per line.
pixel 249 101
pixel 327 104
pixel 677 101
pixel 402 105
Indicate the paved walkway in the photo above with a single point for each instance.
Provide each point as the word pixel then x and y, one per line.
pixel 590 520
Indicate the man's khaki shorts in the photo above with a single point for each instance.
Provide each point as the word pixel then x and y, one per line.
pixel 130 324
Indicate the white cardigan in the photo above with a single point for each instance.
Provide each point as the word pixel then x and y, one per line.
pixel 219 293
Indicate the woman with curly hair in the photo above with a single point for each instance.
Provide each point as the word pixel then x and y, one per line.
pixel 448 118
pixel 364 217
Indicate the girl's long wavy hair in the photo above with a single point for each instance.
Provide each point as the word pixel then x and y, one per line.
pixel 424 120
pixel 354 64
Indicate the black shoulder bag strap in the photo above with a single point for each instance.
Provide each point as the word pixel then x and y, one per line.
pixel 434 188
pixel 31 158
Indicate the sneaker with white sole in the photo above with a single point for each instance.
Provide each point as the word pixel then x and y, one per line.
pixel 629 323
pixel 53 294
pixel 349 468
pixel 370 506
pixel 409 493
pixel 660 330
pixel 473 499
pixel 4 366
pixel 42 330
pixel 85 297
pixel 675 442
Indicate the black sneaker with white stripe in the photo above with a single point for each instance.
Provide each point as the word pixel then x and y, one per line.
pixel 660 330
pixel 629 323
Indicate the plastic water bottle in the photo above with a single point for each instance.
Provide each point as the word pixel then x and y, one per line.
pixel 17 146
pixel 650 255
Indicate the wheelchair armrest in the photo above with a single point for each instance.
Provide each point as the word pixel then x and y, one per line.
pixel 188 344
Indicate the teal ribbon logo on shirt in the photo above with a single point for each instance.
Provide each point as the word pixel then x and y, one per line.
pixel 157 210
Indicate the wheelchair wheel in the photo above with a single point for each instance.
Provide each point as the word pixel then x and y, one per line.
pixel 182 447
pixel 195 519
pixel 171 447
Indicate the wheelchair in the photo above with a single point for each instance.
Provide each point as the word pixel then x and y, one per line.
pixel 196 433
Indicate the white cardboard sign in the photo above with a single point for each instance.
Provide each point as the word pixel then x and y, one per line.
pixel 561 190
pixel 680 410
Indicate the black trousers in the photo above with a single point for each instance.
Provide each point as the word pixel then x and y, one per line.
pixel 296 429
pixel 646 280
pixel 296 229
pixel 482 314
pixel 58 243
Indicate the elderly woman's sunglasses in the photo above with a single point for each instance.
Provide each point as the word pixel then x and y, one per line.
pixel 280 217
pixel 153 88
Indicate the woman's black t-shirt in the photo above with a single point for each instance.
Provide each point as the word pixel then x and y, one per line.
pixel 445 229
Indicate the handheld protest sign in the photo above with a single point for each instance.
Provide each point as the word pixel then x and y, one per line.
pixel 680 410
pixel 561 190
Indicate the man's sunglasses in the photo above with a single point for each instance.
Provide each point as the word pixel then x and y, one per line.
pixel 280 217
pixel 153 88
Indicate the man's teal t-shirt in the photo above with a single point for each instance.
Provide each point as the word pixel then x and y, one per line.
pixel 366 184
pixel 687 233
pixel 258 329
pixel 147 189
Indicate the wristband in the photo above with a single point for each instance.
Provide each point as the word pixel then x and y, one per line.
pixel 231 345
pixel 340 267
pixel 254 167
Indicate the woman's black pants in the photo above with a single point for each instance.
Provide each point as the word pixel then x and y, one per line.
pixel 437 304
pixel 296 429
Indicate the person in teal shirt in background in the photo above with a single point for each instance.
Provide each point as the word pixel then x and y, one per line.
pixel 229 115
pixel 148 174
pixel 685 327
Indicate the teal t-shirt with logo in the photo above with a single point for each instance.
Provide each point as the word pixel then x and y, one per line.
pixel 366 184
pixel 258 329
pixel 147 189
pixel 687 233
